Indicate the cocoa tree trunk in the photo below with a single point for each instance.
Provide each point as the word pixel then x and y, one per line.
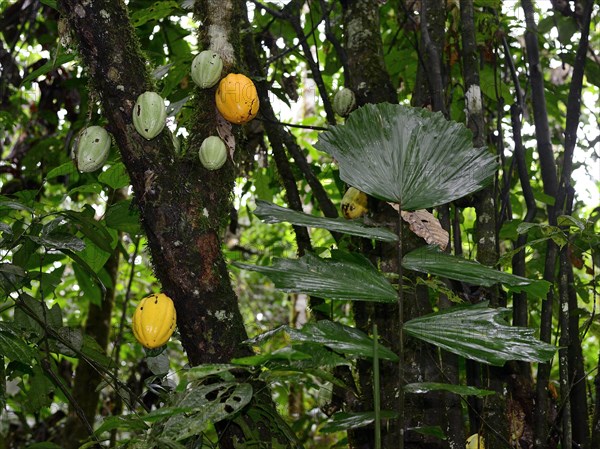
pixel 182 206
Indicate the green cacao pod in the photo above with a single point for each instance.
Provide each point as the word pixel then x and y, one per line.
pixel 344 102
pixel 206 69
pixel 92 149
pixel 149 115
pixel 154 320
pixel 213 153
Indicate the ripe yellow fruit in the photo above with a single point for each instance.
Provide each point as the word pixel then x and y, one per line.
pixel 475 442
pixel 354 203
pixel 154 320
pixel 237 99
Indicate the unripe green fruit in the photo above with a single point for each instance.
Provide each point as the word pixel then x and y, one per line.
pixel 149 115
pixel 206 69
pixel 212 153
pixel 344 102
pixel 92 149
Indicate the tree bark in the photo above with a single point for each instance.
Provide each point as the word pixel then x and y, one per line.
pixel 182 206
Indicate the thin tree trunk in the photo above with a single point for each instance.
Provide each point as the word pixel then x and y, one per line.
pixel 87 378
pixel 550 180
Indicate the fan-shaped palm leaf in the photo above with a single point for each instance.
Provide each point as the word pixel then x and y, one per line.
pixel 407 155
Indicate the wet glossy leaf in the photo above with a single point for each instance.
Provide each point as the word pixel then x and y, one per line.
pixel 271 213
pixel 344 276
pixel 429 259
pixel 407 155
pixel 480 333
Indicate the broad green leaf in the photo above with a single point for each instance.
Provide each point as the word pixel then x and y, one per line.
pixel 341 338
pixel 345 276
pixel 93 229
pixel 343 421
pixel 125 422
pixel 123 217
pixel 30 313
pixel 429 259
pixel 407 155
pixel 59 241
pixel 480 333
pixel 94 256
pixel 11 277
pixel 284 354
pixel 463 390
pixel 156 11
pixel 115 177
pixel 86 188
pixel 94 352
pixel 68 168
pixel 159 365
pixel 226 399
pixel 7 203
pixel 271 213
pixel 73 339
pixel 39 394
pixel 86 267
pixel 48 66
pixel 13 347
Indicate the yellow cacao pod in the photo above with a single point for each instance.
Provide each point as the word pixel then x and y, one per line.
pixel 237 99
pixel 475 442
pixel 154 320
pixel 354 203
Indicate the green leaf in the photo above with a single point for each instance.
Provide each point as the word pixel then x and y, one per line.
pixel 341 338
pixel 93 351
pixel 39 394
pixel 115 177
pixel 343 421
pixel 123 217
pixel 59 241
pixel 226 399
pixel 93 187
pixel 93 229
pixel 6 203
pixel 429 259
pixel 13 347
pixel 126 422
pixel 48 66
pixel 271 213
pixel 283 354
pixel 463 390
pixel 407 155
pixel 74 341
pixel 345 276
pixel 68 168
pixel 480 333
pixel 158 10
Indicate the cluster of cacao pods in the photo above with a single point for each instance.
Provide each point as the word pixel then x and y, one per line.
pixel 236 99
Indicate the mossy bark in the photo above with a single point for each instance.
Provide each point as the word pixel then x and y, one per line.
pixel 183 206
